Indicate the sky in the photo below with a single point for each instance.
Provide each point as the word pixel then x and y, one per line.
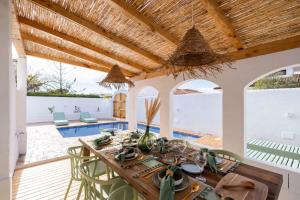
pixel 86 79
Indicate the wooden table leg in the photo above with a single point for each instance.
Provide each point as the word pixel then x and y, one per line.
pixel 86 152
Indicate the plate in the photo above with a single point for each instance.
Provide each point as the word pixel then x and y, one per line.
pixel 219 160
pixel 182 186
pixel 191 168
pixel 136 154
pixel 103 143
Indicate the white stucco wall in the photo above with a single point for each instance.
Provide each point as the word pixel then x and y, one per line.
pixel 274 115
pixel 270 114
pixel 37 107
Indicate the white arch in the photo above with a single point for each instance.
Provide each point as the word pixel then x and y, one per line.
pixel 233 83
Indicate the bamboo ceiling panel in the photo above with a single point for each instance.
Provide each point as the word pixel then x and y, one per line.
pixel 43 16
pixel 37 50
pixel 52 39
pixel 125 35
pixel 263 21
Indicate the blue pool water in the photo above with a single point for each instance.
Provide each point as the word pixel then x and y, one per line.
pixel 79 131
pixel 94 129
pixel 176 134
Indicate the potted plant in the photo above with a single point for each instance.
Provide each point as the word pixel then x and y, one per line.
pixel 146 141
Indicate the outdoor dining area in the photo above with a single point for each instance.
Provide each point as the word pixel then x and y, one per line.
pixel 137 165
pixel 162 44
pixel 174 170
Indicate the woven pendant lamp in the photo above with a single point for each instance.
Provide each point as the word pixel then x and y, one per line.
pixel 115 79
pixel 194 58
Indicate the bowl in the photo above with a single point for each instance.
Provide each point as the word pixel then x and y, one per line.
pixel 177 177
pixel 130 153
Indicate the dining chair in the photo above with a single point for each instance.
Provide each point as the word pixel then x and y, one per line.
pixel 226 154
pixel 124 192
pixel 77 158
pixel 180 141
pixel 101 187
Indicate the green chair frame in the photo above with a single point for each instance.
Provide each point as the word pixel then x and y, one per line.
pixel 77 157
pixel 124 192
pixel 94 186
pixel 179 141
pixel 226 154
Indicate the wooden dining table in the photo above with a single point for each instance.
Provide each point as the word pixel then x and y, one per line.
pixel 146 187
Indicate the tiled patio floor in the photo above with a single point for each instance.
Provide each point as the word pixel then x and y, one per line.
pixel 45 142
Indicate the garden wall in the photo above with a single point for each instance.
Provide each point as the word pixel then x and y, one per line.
pixel 37 107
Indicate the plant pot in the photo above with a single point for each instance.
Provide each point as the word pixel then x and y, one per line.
pixel 146 141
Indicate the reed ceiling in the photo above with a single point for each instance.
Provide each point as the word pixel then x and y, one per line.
pixel 140 35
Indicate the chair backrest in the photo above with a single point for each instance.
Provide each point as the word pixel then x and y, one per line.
pixel 94 186
pixel 77 157
pixel 122 193
pixel 84 115
pixel 226 154
pixel 59 116
pixel 180 141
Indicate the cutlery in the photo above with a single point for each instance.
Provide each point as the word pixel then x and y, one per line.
pixel 148 174
pixel 195 188
pixel 243 184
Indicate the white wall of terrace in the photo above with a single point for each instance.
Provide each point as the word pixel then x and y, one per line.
pixel 21 104
pixel 7 99
pixel 233 82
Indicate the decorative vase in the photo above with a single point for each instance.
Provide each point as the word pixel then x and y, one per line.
pixel 146 141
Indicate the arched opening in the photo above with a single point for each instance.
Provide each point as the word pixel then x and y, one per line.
pixel 197 112
pixel 272 110
pixel 119 106
pixel 147 92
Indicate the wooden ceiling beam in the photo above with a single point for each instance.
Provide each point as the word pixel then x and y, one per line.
pixel 222 22
pixel 55 8
pixel 72 52
pixel 15 33
pixel 267 48
pixel 139 17
pixel 81 43
pixel 262 49
pixel 66 61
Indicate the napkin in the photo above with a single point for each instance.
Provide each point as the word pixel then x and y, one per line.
pixel 121 156
pixel 167 185
pixel 101 140
pixel 211 159
pixel 161 145
pixel 135 135
pixel 209 194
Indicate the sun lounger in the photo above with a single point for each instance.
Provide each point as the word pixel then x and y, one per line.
pixel 59 119
pixel 86 117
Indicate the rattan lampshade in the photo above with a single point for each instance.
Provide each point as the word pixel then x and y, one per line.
pixel 115 79
pixel 194 57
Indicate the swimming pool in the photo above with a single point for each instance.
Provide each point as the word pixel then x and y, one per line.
pixel 94 129
pixel 176 134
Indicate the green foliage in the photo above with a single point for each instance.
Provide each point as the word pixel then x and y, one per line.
pixel 47 94
pixel 35 82
pixel 277 82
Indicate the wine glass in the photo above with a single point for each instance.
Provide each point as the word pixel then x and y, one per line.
pixel 200 160
pixel 182 147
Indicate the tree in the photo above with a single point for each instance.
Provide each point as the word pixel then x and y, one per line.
pixel 59 83
pixel 274 82
pixel 35 83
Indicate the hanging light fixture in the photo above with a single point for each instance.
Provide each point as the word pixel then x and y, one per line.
pixel 115 79
pixel 194 58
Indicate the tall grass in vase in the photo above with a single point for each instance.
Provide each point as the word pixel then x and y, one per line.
pixel 147 139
